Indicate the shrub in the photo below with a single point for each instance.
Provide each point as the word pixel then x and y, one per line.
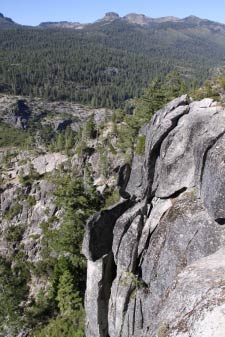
pixel 112 198
pixel 31 200
pixel 29 179
pixel 14 233
pixel 140 146
pixel 13 211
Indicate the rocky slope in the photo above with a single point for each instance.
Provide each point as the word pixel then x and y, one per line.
pixel 62 24
pixel 51 153
pixel 137 19
pixel 156 259
pixel 20 111
pixel 27 173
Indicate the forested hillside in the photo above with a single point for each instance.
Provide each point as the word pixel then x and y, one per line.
pixel 105 64
pixel 61 160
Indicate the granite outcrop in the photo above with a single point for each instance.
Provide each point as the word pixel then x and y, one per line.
pixel 156 265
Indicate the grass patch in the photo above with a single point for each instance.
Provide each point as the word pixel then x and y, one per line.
pixel 13 137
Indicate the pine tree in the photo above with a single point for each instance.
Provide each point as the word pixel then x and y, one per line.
pixel 69 300
pixel 152 100
pixel 89 128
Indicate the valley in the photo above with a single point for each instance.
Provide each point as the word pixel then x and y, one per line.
pixel 112 205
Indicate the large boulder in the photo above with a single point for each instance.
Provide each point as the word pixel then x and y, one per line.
pixel 18 114
pixel 48 162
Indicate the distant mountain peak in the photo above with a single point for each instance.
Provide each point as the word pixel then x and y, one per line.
pixel 4 21
pixel 111 16
pixel 193 18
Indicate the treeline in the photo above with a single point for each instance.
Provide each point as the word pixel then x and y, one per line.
pixel 100 65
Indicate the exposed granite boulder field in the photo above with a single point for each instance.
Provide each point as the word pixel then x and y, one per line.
pixel 162 271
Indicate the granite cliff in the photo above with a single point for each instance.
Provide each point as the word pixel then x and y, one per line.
pixel 156 259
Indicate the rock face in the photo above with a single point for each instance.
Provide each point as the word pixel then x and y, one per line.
pixel 18 115
pixel 139 19
pixel 111 16
pixel 156 265
pixel 48 162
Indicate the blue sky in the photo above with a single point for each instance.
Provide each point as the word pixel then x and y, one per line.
pixel 32 12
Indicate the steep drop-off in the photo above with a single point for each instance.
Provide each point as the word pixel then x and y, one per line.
pixel 156 260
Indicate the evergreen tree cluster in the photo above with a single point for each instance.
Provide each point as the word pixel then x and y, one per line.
pixel 63 306
pixel 101 65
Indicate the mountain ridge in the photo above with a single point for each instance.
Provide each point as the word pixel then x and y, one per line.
pixel 6 22
pixel 132 18
pixel 141 20
pixel 110 61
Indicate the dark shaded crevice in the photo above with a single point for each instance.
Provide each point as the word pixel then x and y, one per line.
pixel 132 296
pixel 134 316
pixel 98 237
pixel 125 229
pixel 175 194
pixel 220 221
pixel 141 212
pixel 109 275
pixel 142 315
pixel 142 254
pixel 155 152
pixel 125 307
pixel 161 231
pixel 113 270
pixel 123 178
pixel 191 240
pixel 134 266
pixel 213 142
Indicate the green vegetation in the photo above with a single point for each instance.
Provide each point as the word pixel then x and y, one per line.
pixel 140 146
pixel 31 201
pixel 64 326
pixel 67 269
pixel 213 88
pixel 89 129
pixel 103 65
pixel 14 233
pixel 112 198
pixel 10 136
pixel 27 180
pixel 59 309
pixel 70 322
pixel 63 140
pixel 104 165
pixel 155 97
pixel 13 211
pixel 11 313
